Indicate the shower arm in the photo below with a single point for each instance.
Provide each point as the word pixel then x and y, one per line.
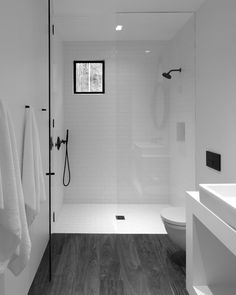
pixel 175 70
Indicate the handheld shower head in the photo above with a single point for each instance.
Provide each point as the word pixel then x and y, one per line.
pixel 168 75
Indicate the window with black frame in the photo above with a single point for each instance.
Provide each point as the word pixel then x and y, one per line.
pixel 89 77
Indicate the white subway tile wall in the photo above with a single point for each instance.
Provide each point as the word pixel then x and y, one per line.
pixel 105 128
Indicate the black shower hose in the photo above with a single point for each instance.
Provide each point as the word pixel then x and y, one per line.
pixel 66 165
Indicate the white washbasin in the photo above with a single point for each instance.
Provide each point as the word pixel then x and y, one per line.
pixel 220 199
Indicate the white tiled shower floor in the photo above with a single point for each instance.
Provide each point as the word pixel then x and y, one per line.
pixel 96 218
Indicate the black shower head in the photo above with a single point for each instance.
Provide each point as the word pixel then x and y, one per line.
pixel 168 75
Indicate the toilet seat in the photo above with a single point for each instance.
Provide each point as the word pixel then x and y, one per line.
pixel 175 216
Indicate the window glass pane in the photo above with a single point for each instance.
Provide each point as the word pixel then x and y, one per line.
pixel 82 77
pixel 96 77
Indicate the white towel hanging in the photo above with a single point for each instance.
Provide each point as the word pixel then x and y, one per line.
pixel 1 192
pixel 32 171
pixel 15 244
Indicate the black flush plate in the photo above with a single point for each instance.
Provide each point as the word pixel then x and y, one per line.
pixel 120 217
pixel 213 160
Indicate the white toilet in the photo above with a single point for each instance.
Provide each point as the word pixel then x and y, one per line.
pixel 174 219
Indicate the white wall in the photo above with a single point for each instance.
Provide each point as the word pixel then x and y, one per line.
pixel 141 176
pixel 23 80
pixel 91 120
pixel 103 128
pixel 216 89
pixel 58 129
pixel 182 109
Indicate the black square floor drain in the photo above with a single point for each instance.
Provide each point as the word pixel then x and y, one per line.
pixel 120 217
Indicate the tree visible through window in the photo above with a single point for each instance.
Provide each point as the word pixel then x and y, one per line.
pixel 89 77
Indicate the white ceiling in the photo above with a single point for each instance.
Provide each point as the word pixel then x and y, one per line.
pixel 95 20
pixel 141 26
pixel 72 7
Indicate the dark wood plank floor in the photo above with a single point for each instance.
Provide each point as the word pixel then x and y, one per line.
pixel 110 265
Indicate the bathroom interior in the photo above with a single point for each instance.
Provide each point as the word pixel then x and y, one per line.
pixel 136 110
pixel 125 146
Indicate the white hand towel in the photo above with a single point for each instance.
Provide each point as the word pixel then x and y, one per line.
pixel 32 171
pixel 1 192
pixel 39 164
pixel 15 245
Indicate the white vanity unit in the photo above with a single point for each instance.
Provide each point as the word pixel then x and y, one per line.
pixel 211 240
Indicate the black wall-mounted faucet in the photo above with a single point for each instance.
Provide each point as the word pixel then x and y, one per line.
pixel 59 142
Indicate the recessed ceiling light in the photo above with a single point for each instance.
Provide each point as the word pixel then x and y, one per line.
pixel 119 28
pixel 147 51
